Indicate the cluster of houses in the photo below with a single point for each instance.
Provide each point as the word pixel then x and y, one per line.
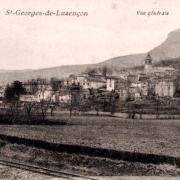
pixel 160 81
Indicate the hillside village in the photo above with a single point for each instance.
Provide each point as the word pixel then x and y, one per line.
pixel 90 90
pixel 161 81
pixel 127 87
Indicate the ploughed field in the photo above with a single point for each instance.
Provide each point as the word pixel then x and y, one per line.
pixel 147 136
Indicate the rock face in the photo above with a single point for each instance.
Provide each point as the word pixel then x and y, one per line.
pixel 168 50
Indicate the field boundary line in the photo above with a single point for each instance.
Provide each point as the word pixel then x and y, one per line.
pixel 95 151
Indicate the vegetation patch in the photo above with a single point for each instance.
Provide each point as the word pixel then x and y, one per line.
pixel 83 164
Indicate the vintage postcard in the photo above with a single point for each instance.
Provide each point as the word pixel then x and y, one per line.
pixel 89 89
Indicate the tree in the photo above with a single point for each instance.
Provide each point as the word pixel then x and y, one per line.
pixel 159 103
pixel 96 101
pixel 28 107
pixel 113 100
pixel 13 91
pixel 9 93
pixel 85 105
pixel 12 108
pixel 56 84
pixel 106 71
pixel 75 97
pixel 52 108
pixel 34 86
pixel 12 94
pixel 91 71
pixel 18 89
pixel 96 104
pixel 43 107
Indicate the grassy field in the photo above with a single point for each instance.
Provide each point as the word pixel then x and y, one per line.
pixel 148 136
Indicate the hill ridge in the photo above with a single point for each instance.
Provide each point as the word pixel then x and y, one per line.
pixel 167 50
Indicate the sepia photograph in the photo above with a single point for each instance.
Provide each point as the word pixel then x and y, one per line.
pixel 89 90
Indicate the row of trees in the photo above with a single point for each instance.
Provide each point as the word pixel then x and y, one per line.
pixel 13 107
pixel 95 100
pixel 152 104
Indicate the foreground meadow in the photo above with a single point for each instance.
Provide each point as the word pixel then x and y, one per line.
pixel 147 136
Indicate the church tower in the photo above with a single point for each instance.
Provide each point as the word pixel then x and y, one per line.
pixel 148 64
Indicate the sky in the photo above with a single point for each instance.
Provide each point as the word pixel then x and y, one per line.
pixel 112 28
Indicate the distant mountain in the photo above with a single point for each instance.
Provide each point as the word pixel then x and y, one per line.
pixel 7 76
pixel 169 50
pixel 123 62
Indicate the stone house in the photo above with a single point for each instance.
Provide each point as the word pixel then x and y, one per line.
pixel 165 87
pixel 94 81
pixel 45 93
pixel 118 85
pixel 28 98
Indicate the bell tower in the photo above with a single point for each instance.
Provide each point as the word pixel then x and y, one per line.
pixel 148 64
